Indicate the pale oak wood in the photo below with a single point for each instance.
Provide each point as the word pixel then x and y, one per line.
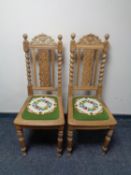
pixel 107 139
pixel 53 66
pixel 95 68
pixel 34 66
pixel 44 88
pixel 40 47
pixel 95 55
pixel 28 62
pixel 75 88
pixel 44 72
pixel 78 67
pixel 60 140
pixel 87 67
pixel 89 47
pixel 20 134
pixel 60 49
pixel 43 47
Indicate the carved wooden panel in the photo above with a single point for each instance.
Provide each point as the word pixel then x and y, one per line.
pixel 78 66
pixel 52 59
pixel 89 39
pixel 87 67
pixel 44 71
pixel 43 55
pixel 95 67
pixel 42 39
pixel 87 63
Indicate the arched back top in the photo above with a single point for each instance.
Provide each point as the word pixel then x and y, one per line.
pixel 43 55
pixel 89 39
pixel 87 63
pixel 43 40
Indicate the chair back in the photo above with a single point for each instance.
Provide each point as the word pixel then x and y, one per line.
pixel 43 56
pixel 87 63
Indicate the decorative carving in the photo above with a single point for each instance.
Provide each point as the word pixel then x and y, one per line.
pixel 89 39
pixel 20 134
pixel 52 64
pixel 44 68
pixel 102 68
pixel 60 140
pixel 42 39
pixel 39 53
pixel 107 140
pixel 72 56
pixel 28 68
pixel 102 65
pixel 28 62
pixel 87 67
pixel 25 43
pixel 60 48
pixel 69 140
pixel 95 67
pixel 78 66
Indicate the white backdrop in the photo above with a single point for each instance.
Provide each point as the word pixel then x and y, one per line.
pixel 65 16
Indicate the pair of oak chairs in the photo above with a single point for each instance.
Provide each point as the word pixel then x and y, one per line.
pixel 43 108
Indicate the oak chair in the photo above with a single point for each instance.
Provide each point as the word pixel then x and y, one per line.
pixel 43 108
pixel 88 111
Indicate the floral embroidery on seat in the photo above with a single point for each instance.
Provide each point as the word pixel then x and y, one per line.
pixel 42 105
pixel 88 106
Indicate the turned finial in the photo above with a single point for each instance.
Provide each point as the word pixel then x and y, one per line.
pixel 60 37
pixel 73 35
pixel 60 46
pixel 25 43
pixel 25 36
pixel 107 36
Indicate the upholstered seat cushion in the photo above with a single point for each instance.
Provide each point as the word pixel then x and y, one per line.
pixel 85 108
pixel 42 108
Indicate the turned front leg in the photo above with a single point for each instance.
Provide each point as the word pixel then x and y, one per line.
pixel 107 140
pixel 69 140
pixel 21 139
pixel 60 141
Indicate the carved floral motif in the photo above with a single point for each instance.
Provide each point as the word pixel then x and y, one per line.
pixel 42 39
pixel 89 39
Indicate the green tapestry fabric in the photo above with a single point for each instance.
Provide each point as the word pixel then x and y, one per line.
pixel 81 116
pixel 49 116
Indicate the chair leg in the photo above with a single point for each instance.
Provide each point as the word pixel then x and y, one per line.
pixel 21 139
pixel 107 140
pixel 60 141
pixel 69 140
